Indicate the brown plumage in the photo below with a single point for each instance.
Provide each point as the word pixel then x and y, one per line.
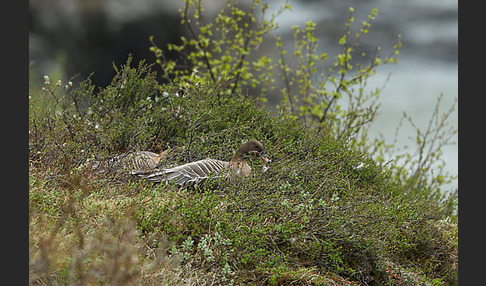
pixel 133 162
pixel 197 172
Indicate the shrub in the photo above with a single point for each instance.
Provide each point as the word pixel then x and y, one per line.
pixel 313 217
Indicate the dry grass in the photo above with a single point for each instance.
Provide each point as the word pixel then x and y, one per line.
pixel 89 236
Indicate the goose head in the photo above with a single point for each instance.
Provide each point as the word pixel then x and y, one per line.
pixel 253 148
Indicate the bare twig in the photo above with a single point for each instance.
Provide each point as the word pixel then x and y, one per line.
pixel 194 36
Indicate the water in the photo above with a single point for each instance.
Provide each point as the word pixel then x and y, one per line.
pixel 414 87
pixel 427 64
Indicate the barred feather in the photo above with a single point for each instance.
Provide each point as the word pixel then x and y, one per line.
pixel 191 173
pixel 138 162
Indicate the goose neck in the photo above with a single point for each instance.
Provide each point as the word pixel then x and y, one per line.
pixel 237 158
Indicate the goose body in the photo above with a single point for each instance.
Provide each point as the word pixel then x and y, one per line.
pixel 198 171
pixel 133 162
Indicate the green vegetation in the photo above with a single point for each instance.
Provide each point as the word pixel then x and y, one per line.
pixel 312 219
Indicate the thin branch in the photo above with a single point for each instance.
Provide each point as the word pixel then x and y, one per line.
pixel 164 59
pixel 286 80
pixel 242 58
pixel 194 36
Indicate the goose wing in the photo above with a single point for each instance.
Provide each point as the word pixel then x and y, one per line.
pixel 191 173
pixel 140 161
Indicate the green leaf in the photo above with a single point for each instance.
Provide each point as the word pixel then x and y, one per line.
pixel 342 41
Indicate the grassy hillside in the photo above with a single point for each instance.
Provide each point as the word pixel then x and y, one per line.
pixel 311 219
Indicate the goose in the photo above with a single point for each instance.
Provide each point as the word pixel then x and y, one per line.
pixel 197 172
pixel 133 162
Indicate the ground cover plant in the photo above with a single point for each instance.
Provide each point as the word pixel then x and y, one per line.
pixel 325 212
